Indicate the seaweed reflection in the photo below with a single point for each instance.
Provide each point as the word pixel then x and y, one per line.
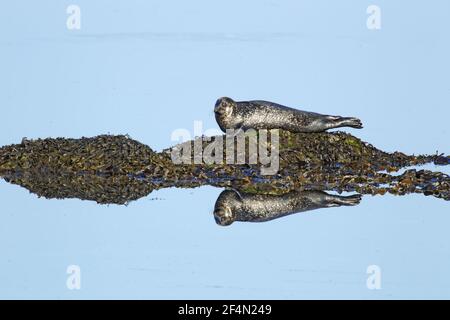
pixel 116 170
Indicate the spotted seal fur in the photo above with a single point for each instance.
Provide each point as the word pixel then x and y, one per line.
pixel 259 114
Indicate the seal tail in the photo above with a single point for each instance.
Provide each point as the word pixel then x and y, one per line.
pixel 347 122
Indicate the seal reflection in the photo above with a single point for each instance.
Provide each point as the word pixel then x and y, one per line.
pixel 232 205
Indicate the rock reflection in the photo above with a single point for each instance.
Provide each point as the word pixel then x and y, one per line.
pixel 65 185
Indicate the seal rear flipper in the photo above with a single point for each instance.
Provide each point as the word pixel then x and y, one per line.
pixel 347 200
pixel 347 122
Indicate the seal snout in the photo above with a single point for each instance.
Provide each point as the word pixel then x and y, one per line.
pixel 223 216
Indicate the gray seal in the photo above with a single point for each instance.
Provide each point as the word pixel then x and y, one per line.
pixel 232 205
pixel 259 114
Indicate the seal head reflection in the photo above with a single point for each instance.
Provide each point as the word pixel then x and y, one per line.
pixel 225 207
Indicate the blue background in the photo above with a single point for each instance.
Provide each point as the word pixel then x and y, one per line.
pixel 146 68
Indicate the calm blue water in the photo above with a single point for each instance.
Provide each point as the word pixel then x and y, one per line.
pixel 146 68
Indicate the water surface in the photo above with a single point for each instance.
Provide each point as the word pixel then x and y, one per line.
pixel 148 68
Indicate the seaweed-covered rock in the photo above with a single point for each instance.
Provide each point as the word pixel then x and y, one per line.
pixel 118 169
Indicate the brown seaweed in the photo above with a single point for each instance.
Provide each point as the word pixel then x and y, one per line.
pixel 118 169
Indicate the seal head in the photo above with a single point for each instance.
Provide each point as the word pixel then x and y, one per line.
pixel 225 112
